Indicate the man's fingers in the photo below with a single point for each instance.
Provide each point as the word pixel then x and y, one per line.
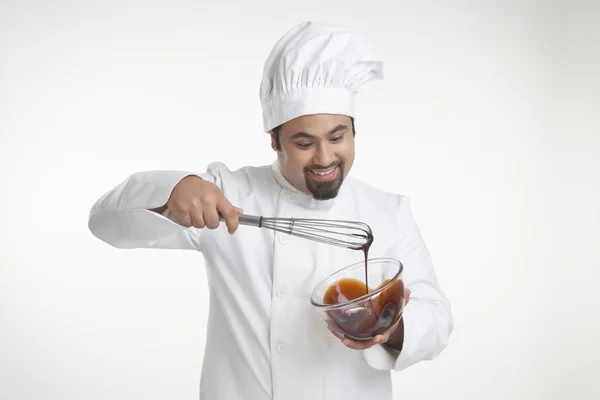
pixel 211 218
pixel 230 214
pixel 353 344
pixel 358 345
pixel 184 217
pixel 384 337
pixel 347 342
pixel 231 219
pixel 198 220
pixel 185 220
pixel 407 293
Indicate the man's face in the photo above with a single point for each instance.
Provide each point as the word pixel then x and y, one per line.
pixel 317 152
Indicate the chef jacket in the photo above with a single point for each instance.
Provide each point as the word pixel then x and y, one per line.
pixel 264 338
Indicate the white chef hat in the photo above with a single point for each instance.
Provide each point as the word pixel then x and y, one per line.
pixel 316 68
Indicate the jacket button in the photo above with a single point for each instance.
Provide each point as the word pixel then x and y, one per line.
pixel 281 292
pixel 329 342
pixel 284 239
pixel 281 348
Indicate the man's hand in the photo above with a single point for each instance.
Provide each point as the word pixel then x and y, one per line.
pixel 198 203
pixel 386 337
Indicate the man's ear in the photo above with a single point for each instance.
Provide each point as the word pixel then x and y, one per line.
pixel 273 144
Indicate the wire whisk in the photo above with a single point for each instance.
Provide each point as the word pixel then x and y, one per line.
pixel 348 234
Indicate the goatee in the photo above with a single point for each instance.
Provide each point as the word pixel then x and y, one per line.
pixel 328 189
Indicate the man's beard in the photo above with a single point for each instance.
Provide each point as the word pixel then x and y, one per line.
pixel 324 190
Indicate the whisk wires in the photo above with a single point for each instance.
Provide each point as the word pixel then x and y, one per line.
pixel 349 234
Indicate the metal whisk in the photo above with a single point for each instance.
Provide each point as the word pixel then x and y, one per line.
pixel 348 234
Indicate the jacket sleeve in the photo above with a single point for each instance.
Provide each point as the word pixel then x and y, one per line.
pixel 122 216
pixel 428 319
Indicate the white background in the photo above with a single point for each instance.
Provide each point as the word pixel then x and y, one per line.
pixel 484 119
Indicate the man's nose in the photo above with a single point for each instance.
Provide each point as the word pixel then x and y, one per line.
pixel 324 155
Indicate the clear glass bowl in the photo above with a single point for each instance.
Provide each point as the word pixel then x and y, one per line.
pixel 363 317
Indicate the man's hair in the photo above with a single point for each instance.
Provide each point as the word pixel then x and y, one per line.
pixel 278 128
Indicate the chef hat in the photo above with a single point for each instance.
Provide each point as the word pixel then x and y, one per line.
pixel 316 68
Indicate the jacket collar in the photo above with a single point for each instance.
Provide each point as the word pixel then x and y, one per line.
pixel 282 181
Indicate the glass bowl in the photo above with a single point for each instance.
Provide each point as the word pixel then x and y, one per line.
pixel 342 301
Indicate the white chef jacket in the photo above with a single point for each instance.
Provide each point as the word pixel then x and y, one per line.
pixel 265 340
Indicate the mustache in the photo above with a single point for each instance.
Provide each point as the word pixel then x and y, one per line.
pixel 316 167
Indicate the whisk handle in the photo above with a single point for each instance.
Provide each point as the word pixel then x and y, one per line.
pixel 250 220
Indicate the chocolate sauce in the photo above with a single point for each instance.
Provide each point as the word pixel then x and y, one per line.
pixel 372 317
pixel 365 249
pixel 368 319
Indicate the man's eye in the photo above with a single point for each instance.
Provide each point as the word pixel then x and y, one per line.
pixel 304 145
pixel 336 139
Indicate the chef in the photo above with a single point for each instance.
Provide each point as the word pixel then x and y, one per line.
pixel 265 340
